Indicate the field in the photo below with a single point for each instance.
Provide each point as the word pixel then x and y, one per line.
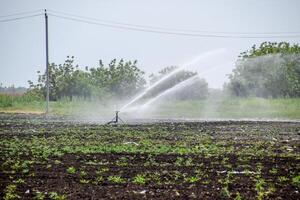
pixel 219 107
pixel 59 159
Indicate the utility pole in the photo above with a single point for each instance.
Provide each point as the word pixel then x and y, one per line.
pixel 47 63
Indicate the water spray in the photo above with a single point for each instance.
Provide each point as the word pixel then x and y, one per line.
pixel 183 66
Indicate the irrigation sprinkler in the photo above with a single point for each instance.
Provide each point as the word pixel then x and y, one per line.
pixel 116 119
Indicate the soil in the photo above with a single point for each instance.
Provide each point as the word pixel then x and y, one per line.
pixel 166 174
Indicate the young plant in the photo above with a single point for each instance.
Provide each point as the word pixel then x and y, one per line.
pixel 56 196
pixel 139 179
pixel 296 181
pixel 224 193
pixel 273 171
pixel 82 173
pixel 238 196
pixel 10 192
pixel 71 170
pixel 39 196
pixel 282 179
pixel 116 179
pixel 191 179
pixel 262 189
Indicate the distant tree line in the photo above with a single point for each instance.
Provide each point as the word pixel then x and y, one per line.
pixel 12 90
pixel 119 79
pixel 270 70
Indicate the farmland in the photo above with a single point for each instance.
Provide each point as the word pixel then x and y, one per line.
pixel 59 159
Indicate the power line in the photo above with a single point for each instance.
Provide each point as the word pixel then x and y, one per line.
pixel 153 29
pixel 169 32
pixel 163 28
pixel 22 13
pixel 19 18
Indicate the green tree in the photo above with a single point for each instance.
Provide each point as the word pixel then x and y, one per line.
pixel 118 79
pixel 271 70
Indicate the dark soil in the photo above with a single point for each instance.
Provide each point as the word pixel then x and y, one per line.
pixel 166 175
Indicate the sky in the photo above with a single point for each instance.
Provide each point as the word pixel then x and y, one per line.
pixel 22 42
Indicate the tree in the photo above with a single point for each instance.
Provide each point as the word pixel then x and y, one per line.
pixel 271 70
pixel 120 80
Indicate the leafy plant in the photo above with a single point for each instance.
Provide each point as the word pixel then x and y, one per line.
pixel 273 171
pixel 116 179
pixel 282 179
pixel 71 170
pixel 56 196
pixel 263 189
pixel 296 181
pixel 139 179
pixel 10 192
pixel 191 179
pixel 39 196
pixel 225 192
pixel 238 196
pixel 82 173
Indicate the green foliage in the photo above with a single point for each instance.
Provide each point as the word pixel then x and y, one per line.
pixel 10 192
pixel 296 181
pixel 6 100
pixel 139 179
pixel 271 70
pixel 39 196
pixel 56 196
pixel 238 196
pixel 224 193
pixel 82 173
pixel 119 79
pixel 192 179
pixel 71 170
pixel 263 189
pixel 116 179
pixel 10 100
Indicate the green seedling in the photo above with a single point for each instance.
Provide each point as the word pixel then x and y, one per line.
pixel 71 170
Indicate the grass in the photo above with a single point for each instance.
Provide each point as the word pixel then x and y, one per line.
pixel 222 107
pixel 288 108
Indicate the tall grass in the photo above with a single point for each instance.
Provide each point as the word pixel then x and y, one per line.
pixel 220 107
pixel 230 107
pixel 12 100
